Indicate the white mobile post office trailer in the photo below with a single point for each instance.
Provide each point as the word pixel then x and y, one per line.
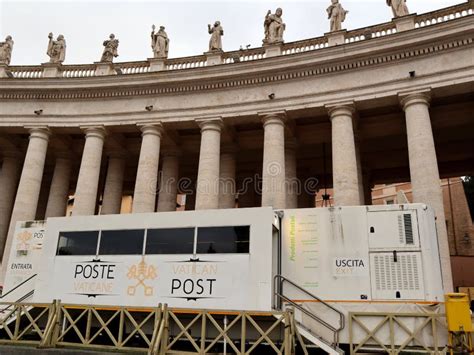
pixel 378 258
pixel 205 259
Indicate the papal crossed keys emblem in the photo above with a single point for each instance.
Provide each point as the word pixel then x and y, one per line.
pixel 140 273
pixel 23 239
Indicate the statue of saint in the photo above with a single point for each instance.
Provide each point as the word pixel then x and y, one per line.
pixel 399 7
pixel 110 49
pixel 216 32
pixel 56 49
pixel 159 42
pixel 274 27
pixel 6 49
pixel 336 14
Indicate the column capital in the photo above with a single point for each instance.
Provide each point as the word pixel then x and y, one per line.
pixel 42 132
pixel 346 108
pixel 273 117
pixel 214 124
pixel 155 129
pixel 94 131
pixel 416 97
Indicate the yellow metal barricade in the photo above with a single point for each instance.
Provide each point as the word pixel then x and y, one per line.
pixel 458 317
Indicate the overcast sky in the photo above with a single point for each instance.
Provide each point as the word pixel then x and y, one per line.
pixel 85 24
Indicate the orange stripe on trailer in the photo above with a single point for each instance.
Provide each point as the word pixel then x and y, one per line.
pixel 196 311
pixel 364 301
pixel 174 310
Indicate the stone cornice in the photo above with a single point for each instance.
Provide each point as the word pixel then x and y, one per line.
pixel 400 47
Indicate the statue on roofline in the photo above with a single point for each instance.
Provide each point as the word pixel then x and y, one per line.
pixel 216 32
pixel 110 49
pixel 56 49
pixel 399 7
pixel 6 49
pixel 274 27
pixel 336 14
pixel 159 42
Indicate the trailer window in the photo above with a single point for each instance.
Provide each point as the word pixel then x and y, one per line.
pixel 212 240
pixel 170 241
pixel 77 243
pixel 121 242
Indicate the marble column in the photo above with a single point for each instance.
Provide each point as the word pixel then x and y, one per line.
pixel 293 186
pixel 207 190
pixel 167 197
pixel 112 200
pixel 346 187
pixel 9 175
pixel 144 197
pixel 227 188
pixel 26 201
pixel 59 190
pixel 85 198
pixel 424 174
pixel 360 177
pixel 274 173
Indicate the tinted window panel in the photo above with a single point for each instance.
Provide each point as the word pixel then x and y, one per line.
pixel 170 241
pixel 77 243
pixel 122 242
pixel 212 240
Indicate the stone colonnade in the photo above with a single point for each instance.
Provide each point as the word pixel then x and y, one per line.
pixel 424 174
pixel 216 172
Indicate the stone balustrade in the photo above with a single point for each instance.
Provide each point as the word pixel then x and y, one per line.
pixel 132 67
pixel 197 61
pixel 305 45
pixel 366 33
pixel 244 55
pixel 446 14
pixel 78 71
pixel 26 72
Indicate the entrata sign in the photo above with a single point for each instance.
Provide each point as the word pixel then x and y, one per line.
pixel 25 254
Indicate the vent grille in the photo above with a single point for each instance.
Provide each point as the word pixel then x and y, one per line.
pixel 408 228
pixel 401 234
pixel 397 276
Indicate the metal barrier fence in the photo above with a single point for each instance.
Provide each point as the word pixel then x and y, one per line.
pixel 411 329
pixel 240 332
pixel 156 331
pixel 20 323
